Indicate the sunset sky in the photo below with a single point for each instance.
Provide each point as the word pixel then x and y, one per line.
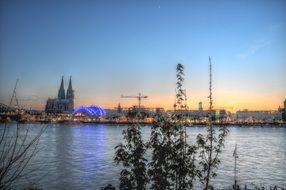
pixel 120 47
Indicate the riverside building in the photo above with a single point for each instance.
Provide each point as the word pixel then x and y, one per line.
pixel 284 111
pixel 64 103
pixel 257 116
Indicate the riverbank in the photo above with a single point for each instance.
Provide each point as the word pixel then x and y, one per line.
pixel 193 124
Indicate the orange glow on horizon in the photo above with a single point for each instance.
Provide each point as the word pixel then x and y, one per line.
pixel 227 101
pixel 231 104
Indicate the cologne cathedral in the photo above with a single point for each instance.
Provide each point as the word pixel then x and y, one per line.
pixel 65 101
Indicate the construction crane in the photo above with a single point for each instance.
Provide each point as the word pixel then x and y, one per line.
pixel 139 97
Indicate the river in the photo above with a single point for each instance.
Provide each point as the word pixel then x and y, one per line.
pixel 81 157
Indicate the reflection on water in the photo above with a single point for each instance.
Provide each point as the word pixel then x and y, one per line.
pixel 81 157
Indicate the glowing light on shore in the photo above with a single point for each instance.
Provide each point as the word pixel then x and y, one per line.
pixel 90 111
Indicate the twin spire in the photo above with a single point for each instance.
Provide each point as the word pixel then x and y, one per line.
pixel 70 92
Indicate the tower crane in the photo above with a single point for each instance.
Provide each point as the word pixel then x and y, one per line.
pixel 139 97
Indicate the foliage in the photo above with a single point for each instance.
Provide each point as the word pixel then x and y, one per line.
pixel 210 147
pixel 180 92
pixel 175 163
pixel 169 167
pixel 161 170
pixel 183 155
pixel 131 155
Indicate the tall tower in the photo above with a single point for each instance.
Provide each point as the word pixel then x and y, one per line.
pixel 200 106
pixel 61 94
pixel 70 97
pixel 70 92
pixel 119 108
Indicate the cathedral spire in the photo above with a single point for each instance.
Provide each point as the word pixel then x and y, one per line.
pixel 70 84
pixel 62 83
pixel 61 94
pixel 70 94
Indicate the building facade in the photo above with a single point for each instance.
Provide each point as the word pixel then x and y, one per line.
pixel 64 103
pixel 284 111
pixel 258 116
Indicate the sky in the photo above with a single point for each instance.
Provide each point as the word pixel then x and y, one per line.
pixel 119 47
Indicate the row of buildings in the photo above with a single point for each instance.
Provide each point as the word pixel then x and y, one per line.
pixel 64 103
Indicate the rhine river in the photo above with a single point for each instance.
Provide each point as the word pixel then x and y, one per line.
pixel 81 157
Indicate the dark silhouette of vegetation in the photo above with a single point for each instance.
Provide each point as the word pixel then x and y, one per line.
pixel 160 171
pixel 17 147
pixel 210 146
pixel 180 92
pixel 131 155
pixel 174 163
pixel 169 167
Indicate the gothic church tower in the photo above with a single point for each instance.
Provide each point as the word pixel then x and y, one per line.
pixel 61 93
pixel 70 96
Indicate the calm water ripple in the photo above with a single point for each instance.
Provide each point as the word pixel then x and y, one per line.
pixel 81 157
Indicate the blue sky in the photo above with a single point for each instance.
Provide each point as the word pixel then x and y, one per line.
pixel 126 47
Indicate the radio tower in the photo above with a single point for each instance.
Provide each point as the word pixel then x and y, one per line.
pixel 14 96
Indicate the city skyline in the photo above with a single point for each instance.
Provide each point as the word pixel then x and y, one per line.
pixel 111 48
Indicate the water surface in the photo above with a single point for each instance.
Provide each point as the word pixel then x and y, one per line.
pixel 81 157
